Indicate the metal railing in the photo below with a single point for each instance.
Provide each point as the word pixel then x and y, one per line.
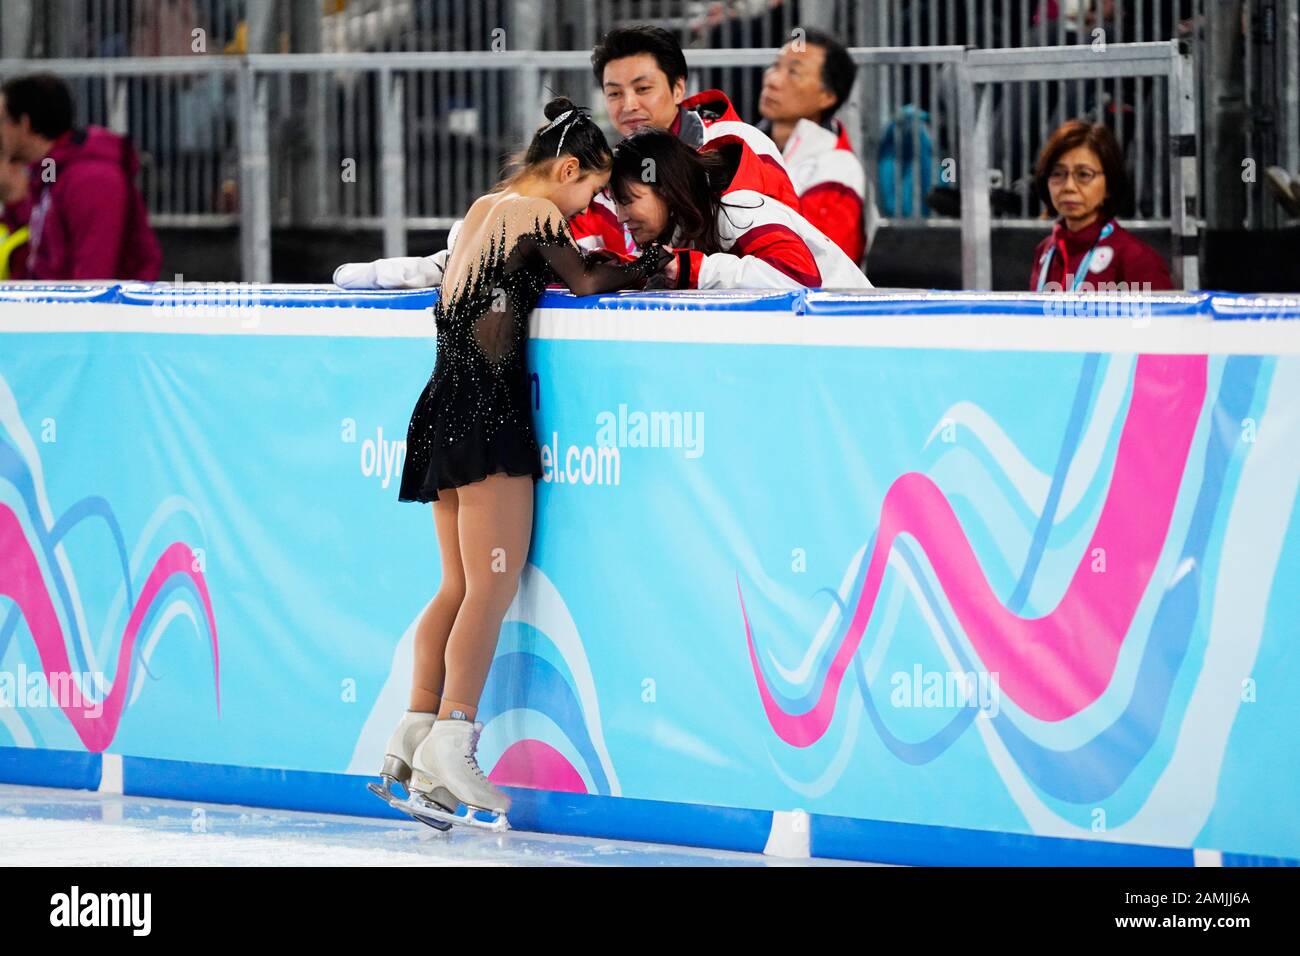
pixel 385 197
pixel 982 69
pixel 460 125
pixel 1270 97
pixel 86 28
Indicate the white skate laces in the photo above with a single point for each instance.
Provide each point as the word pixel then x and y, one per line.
pixel 471 757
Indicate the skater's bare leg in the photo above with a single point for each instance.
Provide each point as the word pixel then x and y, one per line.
pixel 495 521
pixel 431 633
pixel 434 627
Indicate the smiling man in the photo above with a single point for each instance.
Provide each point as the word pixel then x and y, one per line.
pixel 642 74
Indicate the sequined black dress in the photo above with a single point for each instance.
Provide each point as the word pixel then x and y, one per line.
pixel 474 417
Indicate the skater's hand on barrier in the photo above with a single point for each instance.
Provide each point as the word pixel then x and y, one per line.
pixel 356 275
pixel 403 272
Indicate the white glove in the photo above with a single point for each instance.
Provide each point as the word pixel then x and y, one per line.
pixel 402 272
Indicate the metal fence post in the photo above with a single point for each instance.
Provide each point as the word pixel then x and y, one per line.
pixel 260 17
pixel 16 39
pixel 116 96
pixel 1289 44
pixel 1184 236
pixel 525 21
pixel 973 175
pixel 393 163
pixel 309 165
pixel 254 178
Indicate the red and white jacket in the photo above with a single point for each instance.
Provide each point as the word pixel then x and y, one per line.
pixel 765 243
pixel 722 125
pixel 704 121
pixel 834 194
pixel 597 227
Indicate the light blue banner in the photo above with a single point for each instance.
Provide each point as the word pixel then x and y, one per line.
pixel 1041 591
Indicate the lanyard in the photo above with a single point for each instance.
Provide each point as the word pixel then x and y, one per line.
pixel 1083 263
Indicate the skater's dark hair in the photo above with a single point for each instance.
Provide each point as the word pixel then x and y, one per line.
pixel 689 182
pixel 43 97
pixel 568 131
pixel 642 38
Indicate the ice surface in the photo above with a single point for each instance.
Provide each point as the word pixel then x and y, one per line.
pixel 52 827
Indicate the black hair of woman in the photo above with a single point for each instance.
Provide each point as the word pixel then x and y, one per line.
pixel 689 183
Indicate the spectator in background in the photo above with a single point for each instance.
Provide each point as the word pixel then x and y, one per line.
pixel 1081 176
pixel 15 211
pixel 88 219
pixel 811 78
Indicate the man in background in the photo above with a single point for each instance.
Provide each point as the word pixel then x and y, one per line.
pixel 811 78
pixel 88 219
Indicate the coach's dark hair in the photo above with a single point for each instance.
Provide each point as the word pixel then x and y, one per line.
pixel 839 72
pixel 577 136
pixel 630 41
pixel 1097 137
pixel 689 182
pixel 43 97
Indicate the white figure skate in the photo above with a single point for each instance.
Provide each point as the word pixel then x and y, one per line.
pixel 445 773
pixel 408 736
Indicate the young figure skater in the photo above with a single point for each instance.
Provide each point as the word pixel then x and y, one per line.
pixel 471 448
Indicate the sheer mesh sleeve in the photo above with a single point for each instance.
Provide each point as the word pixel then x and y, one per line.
pixel 527 246
pixel 552 240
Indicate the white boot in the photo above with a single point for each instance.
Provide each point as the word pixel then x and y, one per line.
pixel 410 732
pixel 446 758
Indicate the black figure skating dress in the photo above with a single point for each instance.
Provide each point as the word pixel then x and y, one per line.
pixel 474 417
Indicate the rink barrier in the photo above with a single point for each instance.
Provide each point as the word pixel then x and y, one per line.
pixel 620 818
pixel 210 417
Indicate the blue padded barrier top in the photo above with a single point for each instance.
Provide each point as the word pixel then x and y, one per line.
pixel 58 292
pixel 1216 305
pixel 275 296
pixel 921 302
pixel 712 300
pixel 1236 306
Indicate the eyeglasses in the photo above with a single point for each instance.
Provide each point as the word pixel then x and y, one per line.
pixel 1083 175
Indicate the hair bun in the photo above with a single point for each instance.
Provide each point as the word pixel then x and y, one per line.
pixel 555 107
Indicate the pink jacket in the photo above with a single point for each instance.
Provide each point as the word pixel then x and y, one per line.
pixel 88 218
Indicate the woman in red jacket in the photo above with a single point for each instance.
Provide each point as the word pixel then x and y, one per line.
pixel 1081 177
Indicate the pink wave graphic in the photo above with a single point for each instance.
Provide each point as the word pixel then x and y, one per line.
pixel 1052 666
pixel 21 580
pixel 536 764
